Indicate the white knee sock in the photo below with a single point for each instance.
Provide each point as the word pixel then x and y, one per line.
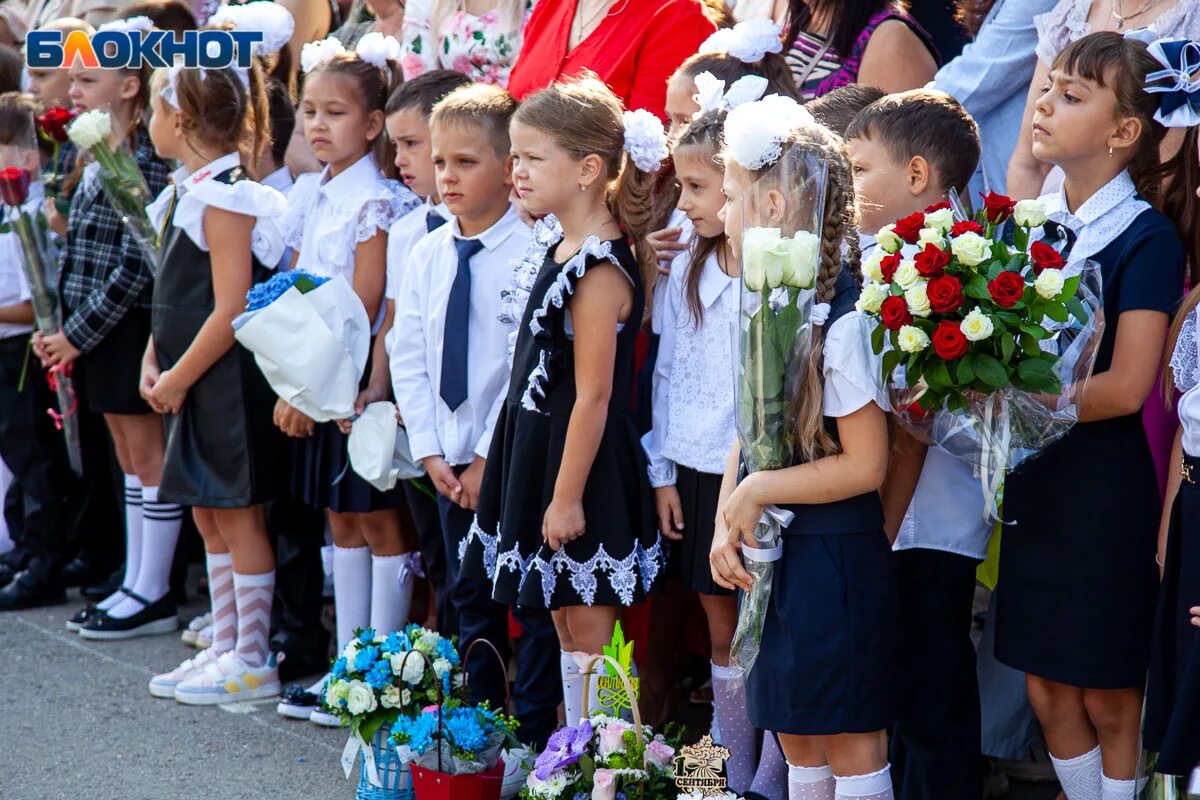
pixel 254 595
pixel 160 533
pixel 133 539
pixel 875 786
pixel 1113 789
pixel 351 591
pixel 1079 776
pixel 810 783
pixel 737 733
pixel 224 601
pixel 771 777
pixel 391 591
pixel 572 683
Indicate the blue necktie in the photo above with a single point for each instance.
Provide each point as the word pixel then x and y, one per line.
pixel 433 221
pixel 453 387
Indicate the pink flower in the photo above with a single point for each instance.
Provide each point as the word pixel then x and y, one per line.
pixel 490 17
pixel 604 785
pixel 660 753
pixel 612 740
pixel 462 64
pixel 412 66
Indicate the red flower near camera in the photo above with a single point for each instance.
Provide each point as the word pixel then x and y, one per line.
pixel 945 294
pixel 966 226
pixel 997 207
pixel 948 341
pixel 1043 257
pixel 888 266
pixel 14 186
pixel 1006 289
pixel 937 207
pixel 931 261
pixel 54 123
pixel 894 313
pixel 909 228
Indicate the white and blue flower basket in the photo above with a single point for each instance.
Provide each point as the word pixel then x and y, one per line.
pixel 395 780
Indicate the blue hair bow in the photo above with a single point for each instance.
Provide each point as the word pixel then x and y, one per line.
pixel 1179 106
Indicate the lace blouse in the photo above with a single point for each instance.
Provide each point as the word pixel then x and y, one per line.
pixel 478 47
pixel 1185 364
pixel 1067 22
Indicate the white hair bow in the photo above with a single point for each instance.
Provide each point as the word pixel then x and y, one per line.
pixel 748 41
pixel 272 20
pixel 645 139
pixel 755 132
pixel 711 94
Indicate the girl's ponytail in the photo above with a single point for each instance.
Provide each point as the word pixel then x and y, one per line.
pixel 629 201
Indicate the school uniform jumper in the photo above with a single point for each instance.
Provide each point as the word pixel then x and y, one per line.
pixel 1078 580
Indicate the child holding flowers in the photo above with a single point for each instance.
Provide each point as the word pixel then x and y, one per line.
pixel 1075 605
pixel 822 679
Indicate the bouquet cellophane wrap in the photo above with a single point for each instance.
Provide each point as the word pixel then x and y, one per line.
pixel 782 216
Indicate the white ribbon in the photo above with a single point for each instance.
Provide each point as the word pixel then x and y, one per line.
pixel 993 461
pixel 820 314
pixel 776 519
pixel 410 567
pixel 354 745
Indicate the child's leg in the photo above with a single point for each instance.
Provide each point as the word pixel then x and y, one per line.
pixel 572 681
pixel 771 776
pixel 809 774
pixel 729 694
pixel 1070 736
pixel 133 512
pixel 351 576
pixel 245 531
pixel 591 629
pixel 859 762
pixel 219 563
pixel 1116 714
pixel 389 534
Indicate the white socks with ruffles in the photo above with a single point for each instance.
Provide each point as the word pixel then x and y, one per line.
pixel 810 783
pixel 874 786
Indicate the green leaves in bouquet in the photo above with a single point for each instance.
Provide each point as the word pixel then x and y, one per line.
pixel 371 725
pixel 305 284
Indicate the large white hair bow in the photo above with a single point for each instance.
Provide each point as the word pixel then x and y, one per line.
pixel 272 20
pixel 748 41
pixel 711 94
pixel 755 132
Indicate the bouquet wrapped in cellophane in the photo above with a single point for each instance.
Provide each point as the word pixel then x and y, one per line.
pixel 986 346
pixel 781 217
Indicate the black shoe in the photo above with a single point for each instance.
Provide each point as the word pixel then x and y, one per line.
pixel 154 618
pixel 297 702
pixel 81 616
pixel 102 589
pixel 29 591
pixel 11 563
pixel 81 573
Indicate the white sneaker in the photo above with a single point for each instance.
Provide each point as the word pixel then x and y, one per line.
pixel 228 680
pixel 204 638
pixel 321 717
pixel 164 685
pixel 299 702
pixel 194 627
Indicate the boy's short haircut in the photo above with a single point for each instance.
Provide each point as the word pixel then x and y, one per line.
pixel 838 109
pixel 487 107
pixel 424 91
pixel 283 118
pixel 167 15
pixel 926 123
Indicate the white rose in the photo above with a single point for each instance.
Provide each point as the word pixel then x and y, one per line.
pixel 405 697
pixel 872 268
pixel 918 301
pixel 429 642
pixel 971 249
pixel 414 670
pixel 360 699
pixel 976 326
pixel 1050 283
pixel 931 236
pixel 350 653
pixel 888 240
pixel 912 339
pixel 90 128
pixel 335 693
pixel 756 244
pixel 907 275
pixel 800 269
pixel 390 697
pixel 871 298
pixel 941 220
pixel 441 666
pixel 1029 213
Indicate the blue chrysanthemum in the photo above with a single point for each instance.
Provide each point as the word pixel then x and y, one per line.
pixel 380 675
pixel 339 668
pixel 263 294
pixel 366 635
pixel 366 658
pixel 395 643
pixel 462 728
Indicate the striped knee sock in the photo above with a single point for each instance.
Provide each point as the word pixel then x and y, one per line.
pixel 224 601
pixel 254 594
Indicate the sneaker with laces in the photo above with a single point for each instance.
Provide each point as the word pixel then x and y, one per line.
pixel 194 627
pixel 164 685
pixel 229 680
pixel 299 702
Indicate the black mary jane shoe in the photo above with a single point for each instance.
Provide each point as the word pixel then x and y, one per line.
pixel 28 590
pixel 157 617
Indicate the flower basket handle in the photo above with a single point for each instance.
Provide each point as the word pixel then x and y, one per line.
pixel 587 672
pixel 503 670
pixel 441 697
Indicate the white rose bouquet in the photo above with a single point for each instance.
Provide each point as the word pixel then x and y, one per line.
pixel 120 178
pixel 984 344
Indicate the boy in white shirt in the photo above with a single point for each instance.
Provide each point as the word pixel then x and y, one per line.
pixel 450 373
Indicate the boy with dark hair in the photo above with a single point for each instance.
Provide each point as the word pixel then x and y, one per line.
pixel 838 109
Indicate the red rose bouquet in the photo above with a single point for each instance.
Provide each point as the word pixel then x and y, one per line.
pixel 52 128
pixel 984 344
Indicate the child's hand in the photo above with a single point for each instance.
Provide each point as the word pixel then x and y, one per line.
pixel 371 394
pixel 39 348
pixel 168 393
pixel 57 222
pixel 292 422
pixel 471 478
pixel 150 376
pixel 58 350
pixel 670 512
pixel 666 246
pixel 563 523
pixel 734 525
pixel 443 477
pixel 1195 612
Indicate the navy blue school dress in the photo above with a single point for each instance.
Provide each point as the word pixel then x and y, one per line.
pixel 1172 720
pixel 1078 580
pixel 223 449
pixel 829 640
pixel 619 558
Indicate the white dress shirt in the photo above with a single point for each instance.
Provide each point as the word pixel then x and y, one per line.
pixel 416 357
pixel 403 237
pixel 14 288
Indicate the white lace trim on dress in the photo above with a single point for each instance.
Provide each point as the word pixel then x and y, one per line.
pixel 1184 359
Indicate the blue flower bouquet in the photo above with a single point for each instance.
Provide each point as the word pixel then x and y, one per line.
pixel 455 750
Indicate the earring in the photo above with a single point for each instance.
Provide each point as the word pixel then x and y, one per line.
pixel 583 187
pixel 1110 152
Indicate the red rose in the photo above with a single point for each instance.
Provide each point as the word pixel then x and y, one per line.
pixel 1043 256
pixel 948 341
pixel 997 207
pixel 937 207
pixel 931 261
pixel 888 266
pixel 894 313
pixel 14 186
pixel 909 228
pixel 945 294
pixel 966 226
pixel 54 123
pixel 1006 289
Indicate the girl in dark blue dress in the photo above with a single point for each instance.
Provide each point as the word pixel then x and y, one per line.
pixel 1077 591
pixel 822 680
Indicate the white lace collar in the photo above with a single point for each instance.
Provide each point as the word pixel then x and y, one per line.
pixel 1100 219
pixel 348 185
